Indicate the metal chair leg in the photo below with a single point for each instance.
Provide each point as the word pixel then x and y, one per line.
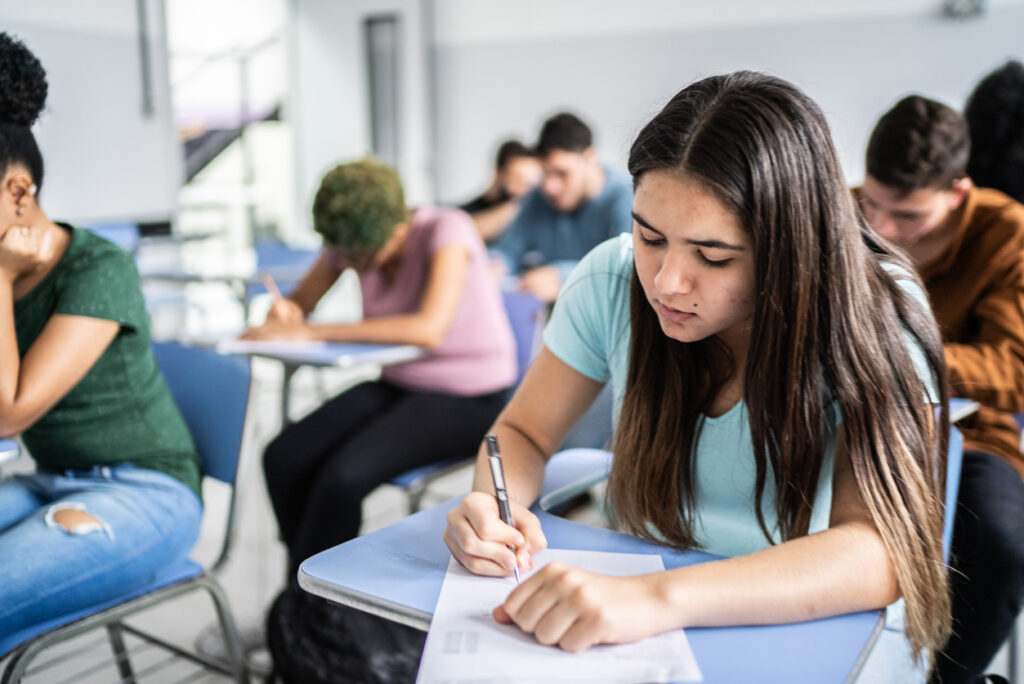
pixel 1012 658
pixel 232 641
pixel 124 665
pixel 415 497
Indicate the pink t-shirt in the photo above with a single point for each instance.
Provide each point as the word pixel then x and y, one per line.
pixel 477 355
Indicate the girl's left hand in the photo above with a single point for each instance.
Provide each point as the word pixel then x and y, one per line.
pixel 577 609
pixel 297 332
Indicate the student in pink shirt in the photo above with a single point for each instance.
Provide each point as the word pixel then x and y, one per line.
pixel 425 281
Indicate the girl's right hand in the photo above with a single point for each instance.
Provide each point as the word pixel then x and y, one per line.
pixel 479 539
pixel 285 311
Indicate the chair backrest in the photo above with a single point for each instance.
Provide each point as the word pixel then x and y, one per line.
pixel 954 464
pixel 124 235
pixel 271 253
pixel 526 313
pixel 212 393
pixel 287 264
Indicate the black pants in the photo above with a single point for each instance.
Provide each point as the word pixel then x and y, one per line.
pixel 319 469
pixel 988 561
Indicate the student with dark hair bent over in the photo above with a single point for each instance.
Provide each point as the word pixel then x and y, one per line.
pixel 995 119
pixel 578 204
pixel 968 245
pixel 516 171
pixel 425 280
pixel 775 369
pixel 115 497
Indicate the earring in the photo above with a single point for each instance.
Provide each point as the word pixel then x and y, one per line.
pixel 20 211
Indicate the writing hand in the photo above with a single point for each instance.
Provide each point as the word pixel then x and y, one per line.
pixel 285 312
pixel 479 539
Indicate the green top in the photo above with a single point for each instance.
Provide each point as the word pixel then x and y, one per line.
pixel 122 410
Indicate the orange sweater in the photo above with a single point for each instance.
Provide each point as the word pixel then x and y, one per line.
pixel 976 290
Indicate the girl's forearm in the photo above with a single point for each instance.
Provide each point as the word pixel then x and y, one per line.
pixel 406 329
pixel 10 361
pixel 842 570
pixel 522 462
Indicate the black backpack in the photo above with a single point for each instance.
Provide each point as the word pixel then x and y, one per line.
pixel 314 641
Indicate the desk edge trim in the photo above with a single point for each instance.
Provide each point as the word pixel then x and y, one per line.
pixel 374 605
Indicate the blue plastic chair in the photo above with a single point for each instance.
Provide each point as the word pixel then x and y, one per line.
pixel 9 450
pixel 124 235
pixel 287 265
pixel 212 392
pixel 526 314
pixel 571 472
pixel 954 466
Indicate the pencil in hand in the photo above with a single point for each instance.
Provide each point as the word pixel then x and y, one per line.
pixel 272 288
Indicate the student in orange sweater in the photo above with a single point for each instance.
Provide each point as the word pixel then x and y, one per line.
pixel 968 246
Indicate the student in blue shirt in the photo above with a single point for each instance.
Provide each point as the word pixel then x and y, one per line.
pixel 775 369
pixel 578 204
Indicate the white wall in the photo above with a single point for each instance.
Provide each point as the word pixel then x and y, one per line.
pixel 328 103
pixel 104 159
pixel 505 65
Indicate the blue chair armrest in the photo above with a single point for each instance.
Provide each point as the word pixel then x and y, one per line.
pixel 572 472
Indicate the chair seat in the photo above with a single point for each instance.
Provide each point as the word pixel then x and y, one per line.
pixel 410 478
pixel 187 569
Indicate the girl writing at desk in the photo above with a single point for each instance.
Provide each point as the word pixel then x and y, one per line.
pixel 115 496
pixel 425 281
pixel 774 367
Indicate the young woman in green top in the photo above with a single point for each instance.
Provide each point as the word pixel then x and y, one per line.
pixel 115 496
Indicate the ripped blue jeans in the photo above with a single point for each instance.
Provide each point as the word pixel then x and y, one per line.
pixel 143 521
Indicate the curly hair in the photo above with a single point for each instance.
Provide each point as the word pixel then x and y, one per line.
pixel 358 206
pixel 995 118
pixel 22 98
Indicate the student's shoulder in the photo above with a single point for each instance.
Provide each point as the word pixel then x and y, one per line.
pixel 610 262
pixel 89 251
pixel 997 219
pixel 434 219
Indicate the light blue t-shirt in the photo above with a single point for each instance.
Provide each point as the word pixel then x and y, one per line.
pixel 542 235
pixel 590 331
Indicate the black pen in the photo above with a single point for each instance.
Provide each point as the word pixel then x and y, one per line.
pixel 498 476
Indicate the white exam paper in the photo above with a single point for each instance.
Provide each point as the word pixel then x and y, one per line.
pixel 465 645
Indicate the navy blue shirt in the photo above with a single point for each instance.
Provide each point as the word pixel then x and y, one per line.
pixel 541 235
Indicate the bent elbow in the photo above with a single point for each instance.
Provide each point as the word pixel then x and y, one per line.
pixel 430 336
pixel 430 341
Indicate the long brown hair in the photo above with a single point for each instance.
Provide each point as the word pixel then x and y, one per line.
pixel 830 327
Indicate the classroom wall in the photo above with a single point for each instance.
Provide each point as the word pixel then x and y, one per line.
pixel 328 103
pixel 502 66
pixel 105 159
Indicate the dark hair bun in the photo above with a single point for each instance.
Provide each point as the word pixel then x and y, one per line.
pixel 22 83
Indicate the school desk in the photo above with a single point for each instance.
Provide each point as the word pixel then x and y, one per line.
pixel 396 572
pixel 294 355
